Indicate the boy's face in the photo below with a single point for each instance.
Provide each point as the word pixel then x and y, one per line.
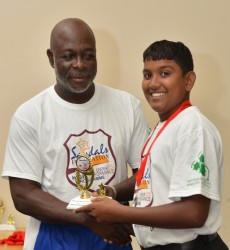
pixel 165 87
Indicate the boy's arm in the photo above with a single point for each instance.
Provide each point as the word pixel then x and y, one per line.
pixel 190 212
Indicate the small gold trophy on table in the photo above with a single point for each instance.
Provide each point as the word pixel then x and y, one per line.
pixel 84 179
pixel 10 223
pixel 2 209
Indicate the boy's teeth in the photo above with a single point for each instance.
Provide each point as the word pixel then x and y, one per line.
pixel 157 94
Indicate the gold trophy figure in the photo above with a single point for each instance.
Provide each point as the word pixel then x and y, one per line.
pixel 102 191
pixel 84 175
pixel 2 209
pixel 10 219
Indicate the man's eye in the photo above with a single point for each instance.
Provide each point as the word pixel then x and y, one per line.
pixel 89 57
pixel 68 57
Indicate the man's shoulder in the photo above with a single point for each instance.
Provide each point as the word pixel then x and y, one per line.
pixel 35 101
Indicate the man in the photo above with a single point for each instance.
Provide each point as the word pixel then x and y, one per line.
pixel 50 132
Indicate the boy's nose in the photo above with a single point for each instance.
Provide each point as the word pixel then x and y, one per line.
pixel 154 82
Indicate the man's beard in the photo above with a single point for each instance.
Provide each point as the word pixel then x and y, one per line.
pixel 65 85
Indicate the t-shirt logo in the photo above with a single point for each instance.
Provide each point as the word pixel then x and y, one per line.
pixel 143 196
pixel 200 166
pixel 97 146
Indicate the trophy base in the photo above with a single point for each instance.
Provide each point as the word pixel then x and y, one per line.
pixel 78 202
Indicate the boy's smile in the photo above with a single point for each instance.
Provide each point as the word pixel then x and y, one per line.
pixel 165 87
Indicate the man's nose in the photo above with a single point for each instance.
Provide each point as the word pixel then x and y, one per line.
pixel 78 63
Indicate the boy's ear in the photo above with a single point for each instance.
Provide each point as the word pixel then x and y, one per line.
pixel 190 79
pixel 51 57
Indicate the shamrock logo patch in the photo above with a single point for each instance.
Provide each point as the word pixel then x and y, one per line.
pixel 200 166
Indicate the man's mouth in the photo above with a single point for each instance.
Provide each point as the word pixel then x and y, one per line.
pixel 80 75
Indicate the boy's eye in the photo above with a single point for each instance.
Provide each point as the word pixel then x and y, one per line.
pixel 147 75
pixel 165 73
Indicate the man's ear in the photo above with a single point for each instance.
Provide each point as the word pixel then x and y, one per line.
pixel 190 79
pixel 51 57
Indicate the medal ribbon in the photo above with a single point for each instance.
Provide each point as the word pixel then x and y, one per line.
pixel 141 170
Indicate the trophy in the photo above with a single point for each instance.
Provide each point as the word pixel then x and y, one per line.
pixel 84 179
pixel 2 209
pixel 84 175
pixel 10 219
pixel 10 223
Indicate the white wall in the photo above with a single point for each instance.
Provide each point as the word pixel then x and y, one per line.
pixel 123 30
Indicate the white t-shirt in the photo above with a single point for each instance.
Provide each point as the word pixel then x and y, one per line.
pixel 47 134
pixel 185 160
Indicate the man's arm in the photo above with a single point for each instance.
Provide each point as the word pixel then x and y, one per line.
pixel 31 200
pixel 124 190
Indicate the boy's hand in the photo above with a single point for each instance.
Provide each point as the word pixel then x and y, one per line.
pixel 102 209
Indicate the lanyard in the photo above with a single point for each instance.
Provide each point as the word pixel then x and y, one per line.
pixel 141 170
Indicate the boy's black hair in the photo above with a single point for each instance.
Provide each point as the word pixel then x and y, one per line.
pixel 168 50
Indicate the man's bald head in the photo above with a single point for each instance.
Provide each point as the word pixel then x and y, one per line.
pixel 72 54
pixel 67 27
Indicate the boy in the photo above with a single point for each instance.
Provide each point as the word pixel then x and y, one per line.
pixel 179 184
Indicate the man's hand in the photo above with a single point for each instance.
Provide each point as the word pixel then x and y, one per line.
pixel 118 234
